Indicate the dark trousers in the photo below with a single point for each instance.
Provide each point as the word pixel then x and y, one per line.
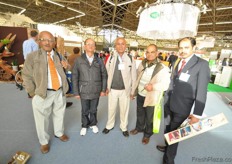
pixel 171 150
pixel 89 112
pixel 144 117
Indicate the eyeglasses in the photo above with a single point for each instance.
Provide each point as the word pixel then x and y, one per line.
pixel 89 44
pixel 46 40
pixel 152 52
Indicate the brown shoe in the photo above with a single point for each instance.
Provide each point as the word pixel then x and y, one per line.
pixel 145 140
pixel 63 138
pixel 44 149
pixel 135 131
pixel 161 148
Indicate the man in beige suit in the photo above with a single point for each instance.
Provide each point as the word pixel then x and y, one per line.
pixel 153 78
pixel 45 81
pixel 121 70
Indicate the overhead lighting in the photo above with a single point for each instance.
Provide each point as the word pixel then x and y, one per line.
pixel 224 8
pixel 121 3
pixel 205 24
pixel 223 22
pixel 64 20
pixel 78 11
pixel 126 2
pixel 219 8
pixel 209 32
pixel 69 8
pixel 22 9
pixel 224 31
pixel 55 3
pixel 110 2
pixel 107 25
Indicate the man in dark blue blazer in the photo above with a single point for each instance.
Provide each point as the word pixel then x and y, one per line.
pixel 188 88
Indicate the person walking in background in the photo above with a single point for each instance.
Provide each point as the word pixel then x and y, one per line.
pixel 71 58
pixel 45 81
pixel 172 58
pixel 89 80
pixel 107 56
pixel 30 45
pixel 121 77
pixel 189 81
pixel 152 79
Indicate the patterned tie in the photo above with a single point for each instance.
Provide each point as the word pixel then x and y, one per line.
pixel 182 66
pixel 54 75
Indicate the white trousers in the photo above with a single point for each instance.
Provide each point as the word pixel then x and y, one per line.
pixel 55 104
pixel 115 97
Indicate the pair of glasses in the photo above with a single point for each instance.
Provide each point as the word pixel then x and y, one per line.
pixel 89 44
pixel 152 52
pixel 46 40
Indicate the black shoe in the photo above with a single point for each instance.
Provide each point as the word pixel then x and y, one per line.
pixel 125 133
pixel 161 148
pixel 68 104
pixel 106 131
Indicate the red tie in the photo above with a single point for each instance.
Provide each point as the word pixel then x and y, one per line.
pixel 182 66
pixel 54 75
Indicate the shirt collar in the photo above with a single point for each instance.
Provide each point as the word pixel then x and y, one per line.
pixel 187 59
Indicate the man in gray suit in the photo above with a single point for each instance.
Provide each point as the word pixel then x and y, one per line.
pixel 189 80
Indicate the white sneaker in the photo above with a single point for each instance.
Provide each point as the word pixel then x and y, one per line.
pixel 94 129
pixel 83 131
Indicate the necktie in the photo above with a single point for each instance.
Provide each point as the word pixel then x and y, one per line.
pixel 182 66
pixel 54 75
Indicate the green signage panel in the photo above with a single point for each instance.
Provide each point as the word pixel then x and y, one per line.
pixel 154 15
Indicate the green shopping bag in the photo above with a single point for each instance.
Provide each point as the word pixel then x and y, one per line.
pixel 157 115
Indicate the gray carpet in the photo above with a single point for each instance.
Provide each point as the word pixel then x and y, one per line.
pixel 17 132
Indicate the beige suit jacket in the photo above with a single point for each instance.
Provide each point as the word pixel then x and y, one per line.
pixel 128 74
pixel 160 82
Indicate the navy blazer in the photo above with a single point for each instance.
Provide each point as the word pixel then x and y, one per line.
pixel 183 94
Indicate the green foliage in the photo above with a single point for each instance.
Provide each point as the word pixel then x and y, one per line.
pixel 5 41
pixel 14 62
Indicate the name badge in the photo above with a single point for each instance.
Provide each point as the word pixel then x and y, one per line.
pixel 184 77
pixel 121 66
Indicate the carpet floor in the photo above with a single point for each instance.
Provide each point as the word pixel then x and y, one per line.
pixel 17 133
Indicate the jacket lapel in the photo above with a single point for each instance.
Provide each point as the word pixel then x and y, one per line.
pixel 190 63
pixel 158 67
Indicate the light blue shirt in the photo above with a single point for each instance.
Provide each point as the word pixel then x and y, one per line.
pixel 29 46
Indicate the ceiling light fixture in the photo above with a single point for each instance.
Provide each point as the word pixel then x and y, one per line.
pixel 121 3
pixel 224 8
pixel 78 11
pixel 110 2
pixel 223 22
pixel 107 25
pixel 205 24
pixel 22 9
pixel 126 2
pixel 69 8
pixel 55 3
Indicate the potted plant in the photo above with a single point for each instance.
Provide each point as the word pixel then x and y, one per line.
pixel 15 65
pixel 3 44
